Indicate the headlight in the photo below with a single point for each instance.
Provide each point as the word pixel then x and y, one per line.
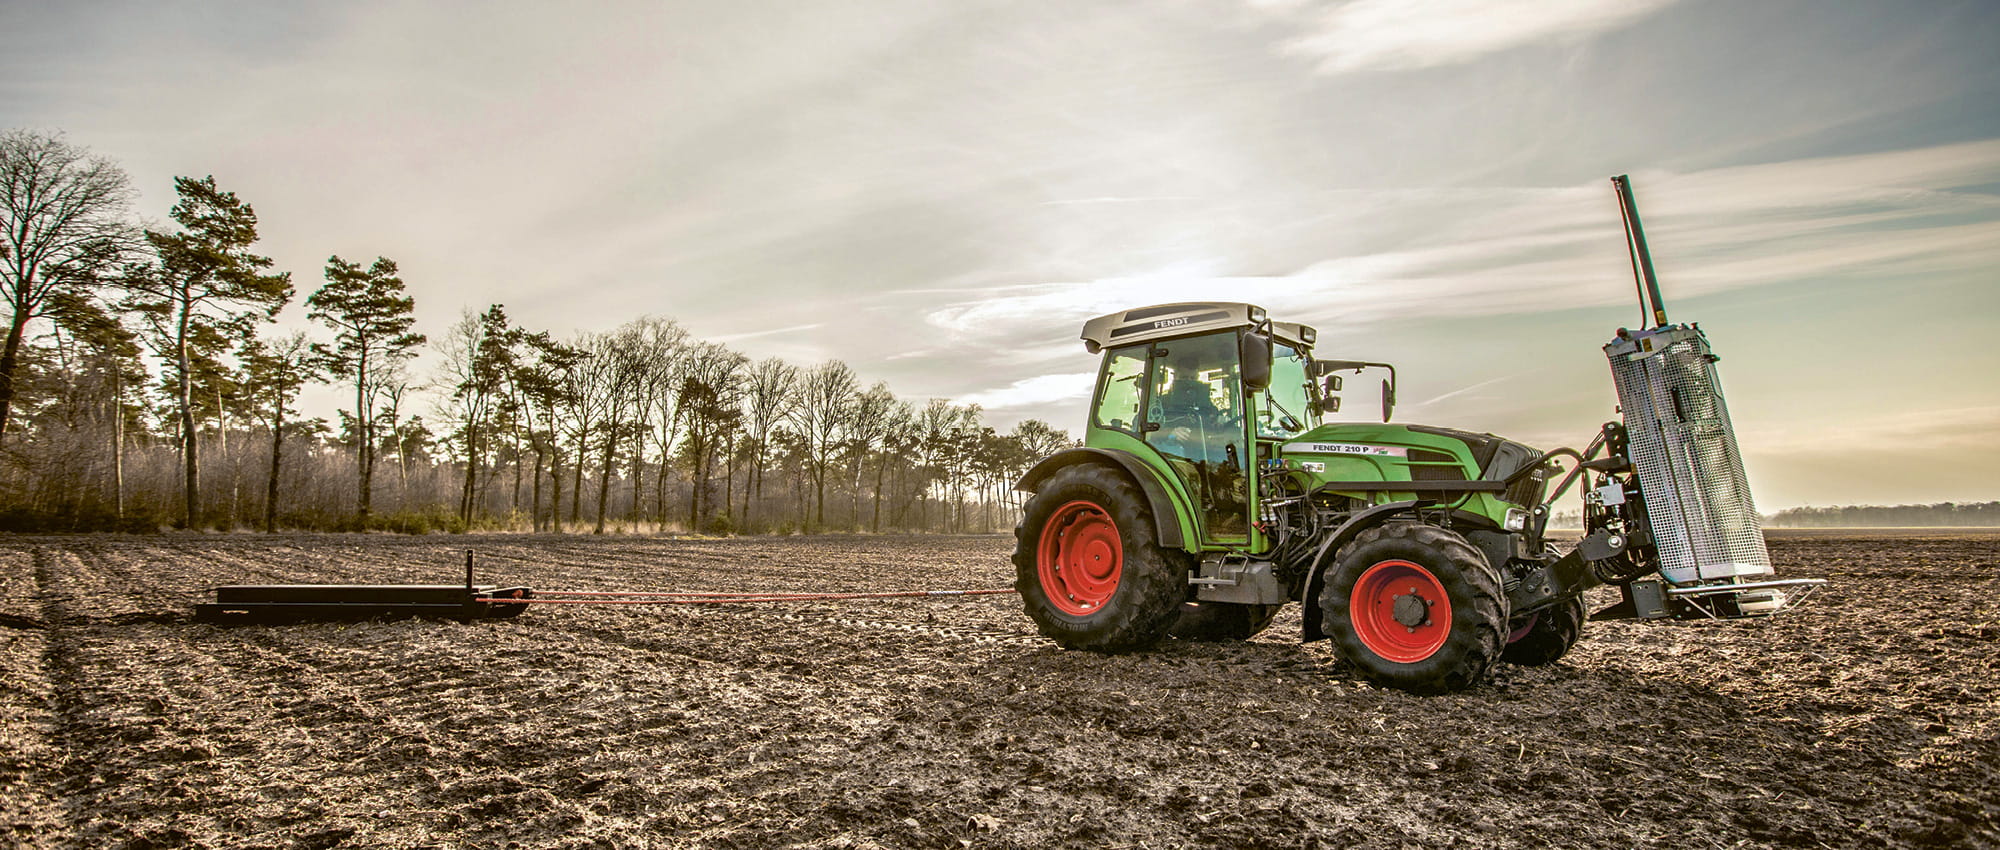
pixel 1516 520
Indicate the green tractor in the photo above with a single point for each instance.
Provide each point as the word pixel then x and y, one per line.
pixel 1208 494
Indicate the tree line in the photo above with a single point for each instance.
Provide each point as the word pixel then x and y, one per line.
pixel 140 388
pixel 1942 515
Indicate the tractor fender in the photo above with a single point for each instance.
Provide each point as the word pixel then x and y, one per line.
pixel 1166 520
pixel 1328 548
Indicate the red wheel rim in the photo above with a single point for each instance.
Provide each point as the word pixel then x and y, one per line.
pixel 1079 558
pixel 1400 611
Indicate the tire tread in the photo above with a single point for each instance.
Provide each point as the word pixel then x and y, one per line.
pixel 1152 580
pixel 1466 656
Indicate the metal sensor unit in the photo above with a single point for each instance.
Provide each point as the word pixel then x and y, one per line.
pixel 1684 451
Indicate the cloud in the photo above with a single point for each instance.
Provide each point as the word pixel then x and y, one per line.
pixel 1395 35
pixel 1115 200
pixel 736 337
pixel 1041 389
pixel 1488 252
pixel 1513 259
pixel 1459 392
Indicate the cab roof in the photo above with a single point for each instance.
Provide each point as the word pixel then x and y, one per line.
pixel 1164 321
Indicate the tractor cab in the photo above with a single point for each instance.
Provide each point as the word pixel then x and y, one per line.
pixel 1201 393
pixel 1218 402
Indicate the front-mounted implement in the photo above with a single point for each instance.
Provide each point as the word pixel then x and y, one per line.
pixel 1210 492
pixel 1670 491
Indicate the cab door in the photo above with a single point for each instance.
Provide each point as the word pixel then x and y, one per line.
pixel 1194 419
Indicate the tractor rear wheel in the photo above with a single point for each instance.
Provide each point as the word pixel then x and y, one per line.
pixel 1089 567
pixel 1546 635
pixel 1415 607
pixel 1220 621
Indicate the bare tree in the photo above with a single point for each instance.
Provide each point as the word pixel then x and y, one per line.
pixel 545 379
pixel 826 397
pixel 610 375
pixel 478 352
pixel 770 394
pixel 586 401
pixel 392 384
pixel 710 403
pixel 900 449
pixel 868 424
pixel 652 347
pixel 273 374
pixel 62 228
pixel 895 422
pixel 944 431
pixel 1040 439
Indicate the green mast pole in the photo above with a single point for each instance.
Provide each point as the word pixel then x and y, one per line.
pixel 1635 237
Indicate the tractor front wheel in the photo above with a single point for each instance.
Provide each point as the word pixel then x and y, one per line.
pixel 1415 607
pixel 1546 635
pixel 1088 566
pixel 1222 621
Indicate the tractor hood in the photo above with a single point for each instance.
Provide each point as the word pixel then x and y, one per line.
pixel 1378 452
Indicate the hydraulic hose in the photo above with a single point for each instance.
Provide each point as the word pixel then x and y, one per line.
pixel 1589 452
pixel 1567 479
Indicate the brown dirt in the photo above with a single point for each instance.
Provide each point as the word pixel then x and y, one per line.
pixel 1871 719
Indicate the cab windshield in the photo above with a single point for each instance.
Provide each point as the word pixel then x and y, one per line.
pixel 1286 408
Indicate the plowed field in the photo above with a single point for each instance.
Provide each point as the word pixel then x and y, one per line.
pixel 1871 719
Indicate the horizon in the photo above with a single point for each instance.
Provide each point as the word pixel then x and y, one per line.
pixel 941 196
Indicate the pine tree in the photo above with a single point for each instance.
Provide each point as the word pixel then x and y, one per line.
pixel 371 319
pixel 207 285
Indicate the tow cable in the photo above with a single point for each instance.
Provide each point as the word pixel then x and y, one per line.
pixel 621 597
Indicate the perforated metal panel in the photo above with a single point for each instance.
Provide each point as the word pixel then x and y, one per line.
pixel 1684 451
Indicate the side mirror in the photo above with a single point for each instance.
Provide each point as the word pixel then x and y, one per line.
pixel 1255 351
pixel 1326 368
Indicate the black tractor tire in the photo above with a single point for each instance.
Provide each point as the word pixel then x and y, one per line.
pixel 1381 606
pixel 1088 564
pixel 1222 621
pixel 1545 636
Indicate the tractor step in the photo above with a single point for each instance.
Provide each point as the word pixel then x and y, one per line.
pixel 298 602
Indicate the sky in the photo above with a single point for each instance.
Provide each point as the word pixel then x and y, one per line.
pixel 940 194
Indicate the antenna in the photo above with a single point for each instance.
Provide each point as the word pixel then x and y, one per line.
pixel 1642 259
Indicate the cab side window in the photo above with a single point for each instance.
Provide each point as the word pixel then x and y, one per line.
pixel 1287 407
pixel 1118 390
